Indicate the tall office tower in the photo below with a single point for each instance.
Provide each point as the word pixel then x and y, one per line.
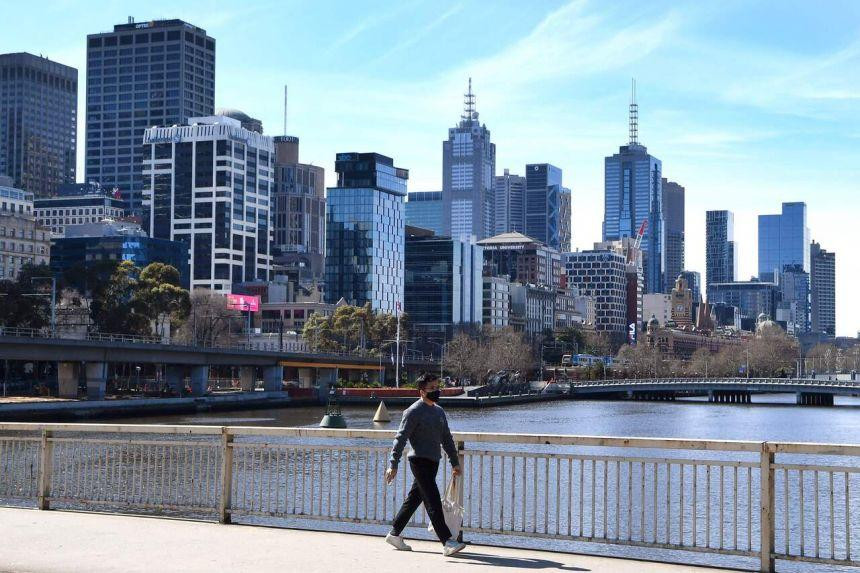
pixel 298 213
pixel 365 232
pixel 783 240
pixel 509 194
pixel 823 286
pixel 565 212
pixel 38 122
pixel 468 169
pixel 141 75
pixel 673 219
pixel 208 185
pixel 694 283
pixel 543 188
pixel 424 209
pixel 443 286
pixel 721 260
pixel 633 200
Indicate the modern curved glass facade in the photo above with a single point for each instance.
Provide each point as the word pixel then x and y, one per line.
pixel 365 232
pixel 783 240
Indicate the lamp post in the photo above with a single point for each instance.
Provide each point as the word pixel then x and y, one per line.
pixel 441 356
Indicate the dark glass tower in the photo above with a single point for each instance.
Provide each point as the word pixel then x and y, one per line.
pixel 673 219
pixel 721 265
pixel 157 73
pixel 633 198
pixel 543 202
pixel 38 122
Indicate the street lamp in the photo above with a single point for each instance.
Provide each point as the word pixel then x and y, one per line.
pixel 441 355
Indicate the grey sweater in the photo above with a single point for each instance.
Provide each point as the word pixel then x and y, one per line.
pixel 426 428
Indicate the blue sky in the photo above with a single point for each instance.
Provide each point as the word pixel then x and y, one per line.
pixel 747 104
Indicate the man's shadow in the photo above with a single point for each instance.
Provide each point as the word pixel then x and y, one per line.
pixel 514 562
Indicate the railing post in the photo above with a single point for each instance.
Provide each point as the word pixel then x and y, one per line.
pixel 460 447
pixel 226 476
pixel 767 517
pixel 45 470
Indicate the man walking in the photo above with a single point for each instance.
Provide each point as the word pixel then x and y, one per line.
pixel 425 426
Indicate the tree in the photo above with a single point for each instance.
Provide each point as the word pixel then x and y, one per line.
pixel 209 320
pixel 160 297
pixel 823 358
pixel 17 307
pixel 507 350
pixel 597 343
pixel 354 329
pixel 700 363
pixel 773 354
pixel 115 309
pixel 460 356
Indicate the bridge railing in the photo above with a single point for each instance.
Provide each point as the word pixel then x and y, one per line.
pixel 253 345
pixel 757 501
pixel 613 382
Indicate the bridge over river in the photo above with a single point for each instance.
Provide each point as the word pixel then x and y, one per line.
pixel 808 391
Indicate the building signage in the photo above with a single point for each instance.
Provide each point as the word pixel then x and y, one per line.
pixel 243 302
pixel 174 138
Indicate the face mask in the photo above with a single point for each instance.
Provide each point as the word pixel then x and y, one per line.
pixel 433 395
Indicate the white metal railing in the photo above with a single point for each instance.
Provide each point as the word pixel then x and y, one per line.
pixel 811 382
pixel 720 497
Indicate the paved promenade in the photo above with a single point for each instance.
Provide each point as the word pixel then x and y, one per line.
pixel 51 541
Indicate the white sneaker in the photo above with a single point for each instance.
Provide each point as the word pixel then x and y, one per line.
pixel 452 547
pixel 397 542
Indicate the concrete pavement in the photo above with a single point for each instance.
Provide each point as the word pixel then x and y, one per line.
pixel 52 541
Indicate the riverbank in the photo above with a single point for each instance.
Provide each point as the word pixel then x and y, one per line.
pixel 52 410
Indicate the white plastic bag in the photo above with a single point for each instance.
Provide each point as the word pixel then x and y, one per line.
pixel 451 509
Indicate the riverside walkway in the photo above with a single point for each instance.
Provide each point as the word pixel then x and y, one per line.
pixel 47 542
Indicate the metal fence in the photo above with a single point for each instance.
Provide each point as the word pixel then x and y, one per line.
pixel 759 500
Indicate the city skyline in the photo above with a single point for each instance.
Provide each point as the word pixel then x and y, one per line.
pixel 767 121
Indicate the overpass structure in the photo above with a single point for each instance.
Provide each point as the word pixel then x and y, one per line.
pixel 90 357
pixel 808 391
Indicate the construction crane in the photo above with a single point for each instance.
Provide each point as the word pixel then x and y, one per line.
pixel 631 251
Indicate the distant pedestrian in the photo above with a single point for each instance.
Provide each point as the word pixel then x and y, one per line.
pixel 425 426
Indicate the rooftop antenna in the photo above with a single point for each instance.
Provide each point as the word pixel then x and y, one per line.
pixel 634 117
pixel 285 109
pixel 469 113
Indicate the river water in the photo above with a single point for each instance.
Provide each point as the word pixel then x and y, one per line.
pixel 772 418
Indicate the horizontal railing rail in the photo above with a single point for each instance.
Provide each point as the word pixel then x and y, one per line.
pixel 632 382
pixel 757 500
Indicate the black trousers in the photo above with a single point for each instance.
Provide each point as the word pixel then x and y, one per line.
pixel 423 490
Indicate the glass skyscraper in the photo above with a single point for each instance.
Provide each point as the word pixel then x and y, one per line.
pixel 145 74
pixel 468 168
pixel 783 240
pixel 424 209
pixel 509 195
pixel 38 122
pixel 633 194
pixel 543 203
pixel 721 261
pixel 365 232
pixel 443 283
pixel 208 185
pixel 673 219
pixel 565 212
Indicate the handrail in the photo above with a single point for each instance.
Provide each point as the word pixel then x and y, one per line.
pixel 337 476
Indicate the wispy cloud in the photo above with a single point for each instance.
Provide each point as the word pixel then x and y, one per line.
pixel 417 36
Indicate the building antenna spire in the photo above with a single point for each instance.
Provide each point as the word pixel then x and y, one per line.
pixel 634 116
pixel 285 109
pixel 469 113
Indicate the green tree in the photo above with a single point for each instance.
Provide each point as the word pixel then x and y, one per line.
pixel 160 297
pixel 18 308
pixel 115 309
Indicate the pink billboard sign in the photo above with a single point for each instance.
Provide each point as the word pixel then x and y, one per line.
pixel 243 302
